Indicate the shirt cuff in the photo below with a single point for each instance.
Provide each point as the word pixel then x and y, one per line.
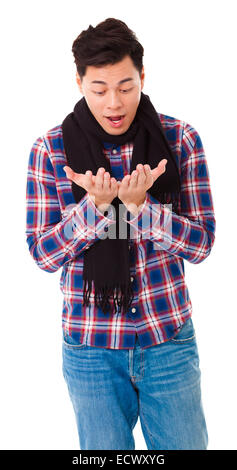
pixel 87 221
pixel 109 212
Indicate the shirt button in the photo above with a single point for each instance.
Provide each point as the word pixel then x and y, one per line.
pixel 133 310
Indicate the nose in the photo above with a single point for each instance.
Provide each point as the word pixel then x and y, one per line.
pixel 114 100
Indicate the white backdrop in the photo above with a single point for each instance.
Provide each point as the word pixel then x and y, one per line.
pixel 190 55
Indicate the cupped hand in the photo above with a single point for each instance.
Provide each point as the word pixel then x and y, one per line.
pixel 102 188
pixel 132 188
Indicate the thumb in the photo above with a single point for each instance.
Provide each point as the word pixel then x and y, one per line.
pixel 69 172
pixel 159 170
pixel 77 178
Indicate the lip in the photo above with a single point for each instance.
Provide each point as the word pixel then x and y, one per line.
pixel 113 124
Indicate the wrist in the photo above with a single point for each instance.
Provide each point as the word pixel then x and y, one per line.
pixel 135 207
pixel 101 205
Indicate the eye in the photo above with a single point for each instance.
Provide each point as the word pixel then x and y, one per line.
pixel 102 92
pixel 126 91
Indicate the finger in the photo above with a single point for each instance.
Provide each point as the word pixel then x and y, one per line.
pixel 133 179
pixel 88 180
pixel 114 185
pixel 149 176
pixel 77 178
pixel 125 181
pixel 147 170
pixel 99 179
pixel 160 169
pixel 114 181
pixel 106 184
pixel 141 174
pixel 69 172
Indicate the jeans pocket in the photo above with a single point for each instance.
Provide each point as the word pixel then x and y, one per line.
pixel 186 333
pixel 70 342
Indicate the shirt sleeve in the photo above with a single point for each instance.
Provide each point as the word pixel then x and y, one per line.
pixel 191 234
pixel 55 238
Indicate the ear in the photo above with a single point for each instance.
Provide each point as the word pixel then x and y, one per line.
pixel 78 80
pixel 142 77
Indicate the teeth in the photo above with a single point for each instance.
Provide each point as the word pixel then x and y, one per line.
pixel 116 120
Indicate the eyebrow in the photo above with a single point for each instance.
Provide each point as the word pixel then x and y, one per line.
pixel 119 83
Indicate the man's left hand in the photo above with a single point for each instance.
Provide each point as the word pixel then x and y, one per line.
pixel 132 188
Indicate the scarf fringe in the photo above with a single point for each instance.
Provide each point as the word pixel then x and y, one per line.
pixel 169 198
pixel 102 295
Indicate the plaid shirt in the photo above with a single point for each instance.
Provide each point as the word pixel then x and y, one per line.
pixel 59 231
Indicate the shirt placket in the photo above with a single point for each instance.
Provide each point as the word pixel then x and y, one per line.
pixel 119 168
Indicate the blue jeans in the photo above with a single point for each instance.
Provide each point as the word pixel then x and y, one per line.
pixel 111 388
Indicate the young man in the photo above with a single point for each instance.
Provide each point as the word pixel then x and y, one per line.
pixel 119 196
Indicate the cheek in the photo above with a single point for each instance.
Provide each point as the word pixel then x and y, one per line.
pixel 98 112
pixel 99 109
pixel 133 110
pixel 133 103
pixel 94 104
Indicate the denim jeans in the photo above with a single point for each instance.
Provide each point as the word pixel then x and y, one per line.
pixel 111 388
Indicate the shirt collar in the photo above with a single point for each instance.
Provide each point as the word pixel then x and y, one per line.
pixel 108 145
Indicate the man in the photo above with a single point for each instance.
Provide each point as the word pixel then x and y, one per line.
pixel 119 195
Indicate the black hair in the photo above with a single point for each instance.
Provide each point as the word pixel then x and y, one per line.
pixel 108 43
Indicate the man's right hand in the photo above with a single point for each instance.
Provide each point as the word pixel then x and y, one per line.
pixel 101 187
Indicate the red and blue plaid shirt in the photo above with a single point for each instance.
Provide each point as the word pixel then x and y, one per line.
pixel 59 231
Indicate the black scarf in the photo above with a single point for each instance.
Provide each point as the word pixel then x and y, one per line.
pixel 106 262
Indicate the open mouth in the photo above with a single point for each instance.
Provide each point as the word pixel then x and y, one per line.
pixel 116 121
pixel 116 118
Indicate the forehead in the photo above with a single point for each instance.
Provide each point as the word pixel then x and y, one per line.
pixel 112 74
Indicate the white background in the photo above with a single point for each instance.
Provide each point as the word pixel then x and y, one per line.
pixel 190 59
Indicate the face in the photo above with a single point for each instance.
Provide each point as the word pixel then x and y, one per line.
pixel 112 91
